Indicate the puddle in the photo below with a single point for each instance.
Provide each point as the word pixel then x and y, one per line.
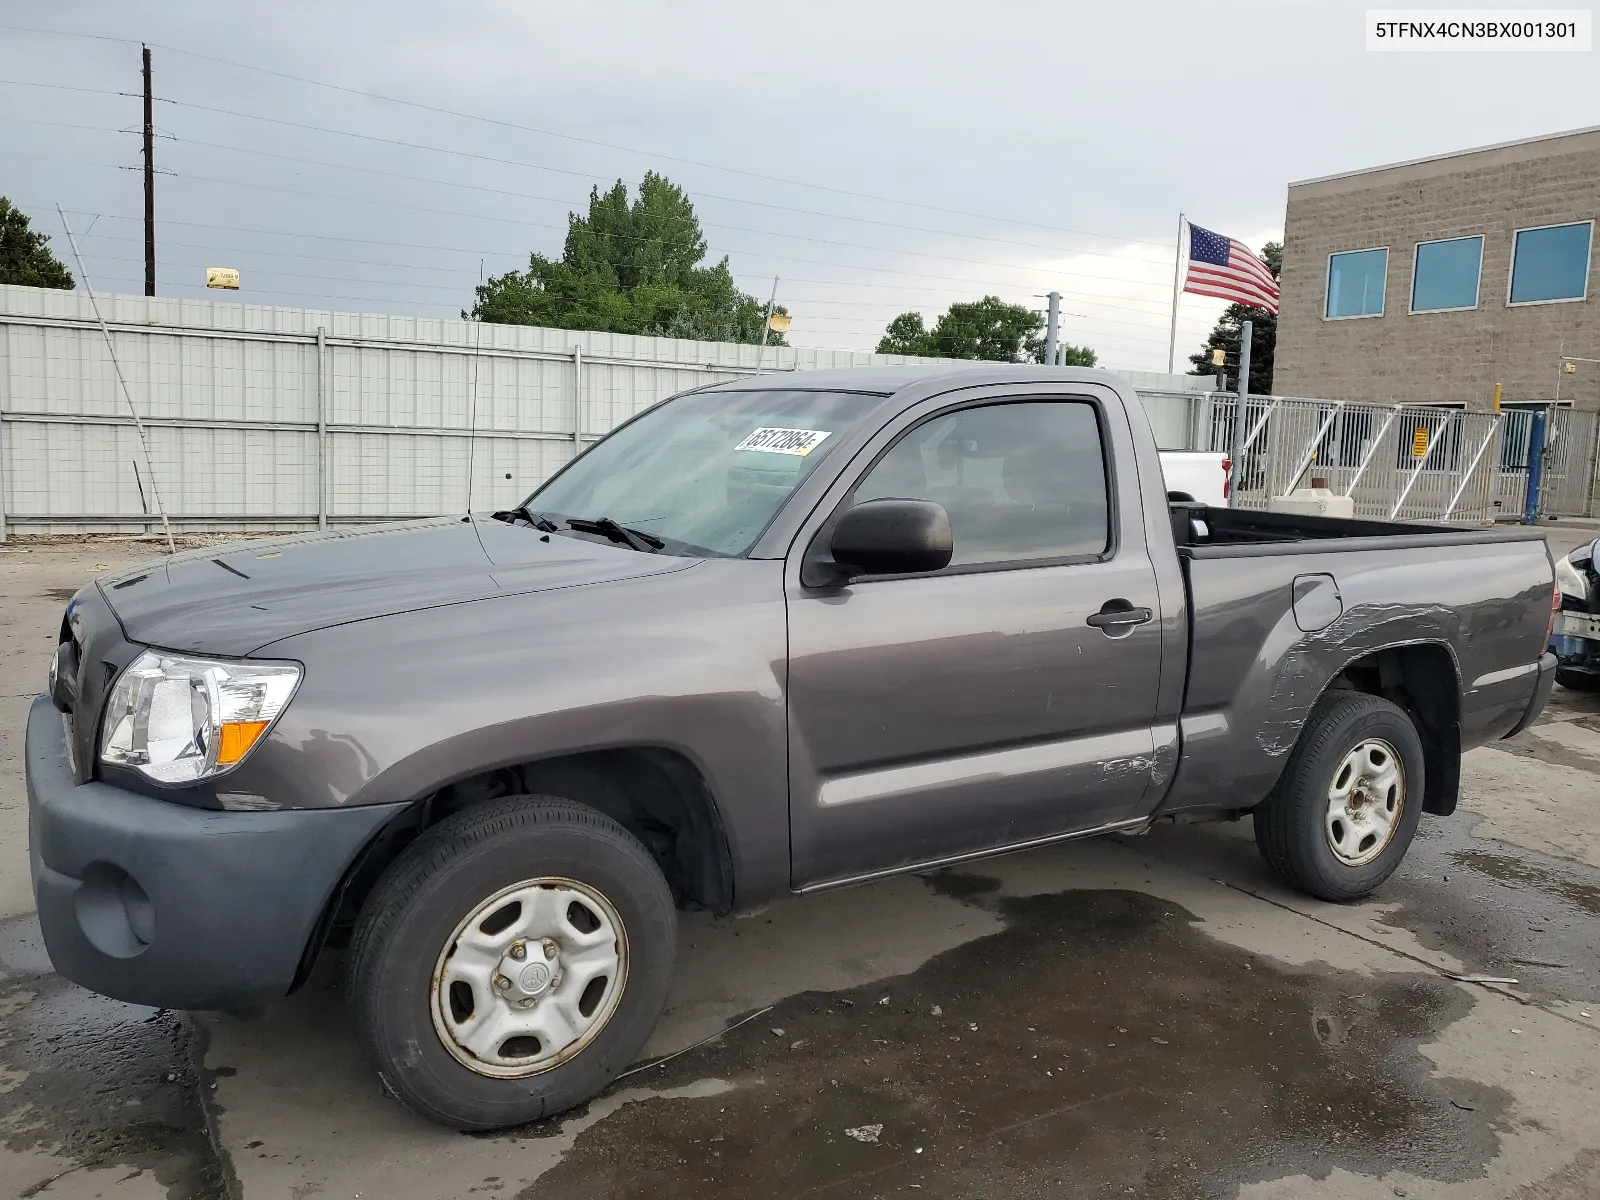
pixel 1518 871
pixel 1500 911
pixel 96 1082
pixel 1099 1045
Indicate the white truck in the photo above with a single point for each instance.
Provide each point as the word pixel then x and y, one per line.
pixel 1199 474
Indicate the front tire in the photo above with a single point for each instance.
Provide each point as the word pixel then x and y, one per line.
pixel 511 962
pixel 1343 815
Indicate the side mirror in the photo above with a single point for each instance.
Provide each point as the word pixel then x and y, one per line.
pixel 891 537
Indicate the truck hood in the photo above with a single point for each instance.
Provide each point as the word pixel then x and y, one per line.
pixel 234 599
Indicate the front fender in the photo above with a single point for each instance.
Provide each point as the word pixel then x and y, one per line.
pixel 692 662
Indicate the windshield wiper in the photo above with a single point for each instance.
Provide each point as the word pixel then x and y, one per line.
pixel 635 539
pixel 537 519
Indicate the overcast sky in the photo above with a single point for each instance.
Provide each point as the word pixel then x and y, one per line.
pixel 1048 145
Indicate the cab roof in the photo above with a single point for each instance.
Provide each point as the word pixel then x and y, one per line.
pixel 886 381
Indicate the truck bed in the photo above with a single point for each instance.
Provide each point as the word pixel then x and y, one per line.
pixel 1203 527
pixel 1281 603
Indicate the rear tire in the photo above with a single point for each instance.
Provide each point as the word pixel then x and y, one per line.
pixel 1578 681
pixel 1347 806
pixel 511 962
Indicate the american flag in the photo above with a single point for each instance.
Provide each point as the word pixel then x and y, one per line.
pixel 1227 269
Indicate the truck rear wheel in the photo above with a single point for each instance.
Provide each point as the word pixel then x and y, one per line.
pixel 1343 815
pixel 511 962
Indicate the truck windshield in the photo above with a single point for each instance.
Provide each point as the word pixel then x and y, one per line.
pixel 708 470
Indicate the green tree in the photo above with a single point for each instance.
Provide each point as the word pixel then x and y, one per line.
pixel 987 329
pixel 1263 335
pixel 629 267
pixel 25 256
pixel 906 334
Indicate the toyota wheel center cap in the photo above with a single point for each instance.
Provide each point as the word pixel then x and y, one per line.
pixel 535 977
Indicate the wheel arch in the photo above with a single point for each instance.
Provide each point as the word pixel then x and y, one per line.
pixel 658 793
pixel 1423 679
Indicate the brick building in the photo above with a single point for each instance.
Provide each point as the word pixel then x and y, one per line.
pixel 1430 281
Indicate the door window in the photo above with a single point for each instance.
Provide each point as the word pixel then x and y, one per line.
pixel 1021 481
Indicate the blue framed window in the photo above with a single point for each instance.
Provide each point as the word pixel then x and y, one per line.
pixel 1355 283
pixel 1551 263
pixel 1446 275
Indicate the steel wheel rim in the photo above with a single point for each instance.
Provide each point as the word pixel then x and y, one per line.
pixel 1365 800
pixel 529 978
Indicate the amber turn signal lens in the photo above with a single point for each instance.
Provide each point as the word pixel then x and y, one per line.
pixel 237 738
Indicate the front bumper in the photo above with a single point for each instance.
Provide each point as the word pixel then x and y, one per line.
pixel 157 903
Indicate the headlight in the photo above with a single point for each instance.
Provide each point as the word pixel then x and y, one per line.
pixel 1571 581
pixel 178 720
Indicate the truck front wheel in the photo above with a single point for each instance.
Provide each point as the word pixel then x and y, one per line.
pixel 511 962
pixel 1343 815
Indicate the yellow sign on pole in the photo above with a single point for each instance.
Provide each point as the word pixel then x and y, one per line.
pixel 778 323
pixel 222 277
pixel 1419 442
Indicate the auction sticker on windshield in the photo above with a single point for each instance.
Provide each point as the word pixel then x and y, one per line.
pixel 783 441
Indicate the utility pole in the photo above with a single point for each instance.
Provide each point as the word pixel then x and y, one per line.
pixel 1052 328
pixel 149 181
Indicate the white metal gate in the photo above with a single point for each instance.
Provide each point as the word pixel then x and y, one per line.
pixel 1395 462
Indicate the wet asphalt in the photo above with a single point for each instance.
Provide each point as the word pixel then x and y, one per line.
pixel 97 1086
pixel 1099 1046
pixel 1056 1025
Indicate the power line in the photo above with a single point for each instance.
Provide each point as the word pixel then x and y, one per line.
pixel 439 287
pixel 802 315
pixel 324 258
pixel 592 177
pixel 802 319
pixel 546 225
pixel 713 224
pixel 1151 307
pixel 981 284
pixel 521 221
pixel 566 203
pixel 798 304
pixel 327 237
pixel 430 305
pixel 66 87
pixel 595 142
pixel 458 291
pixel 800 183
pixel 884 304
pixel 655 154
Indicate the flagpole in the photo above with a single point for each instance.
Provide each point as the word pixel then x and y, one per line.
pixel 1177 282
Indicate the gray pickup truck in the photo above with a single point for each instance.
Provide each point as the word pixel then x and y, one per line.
pixel 771 636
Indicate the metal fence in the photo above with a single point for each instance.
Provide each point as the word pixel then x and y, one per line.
pixel 1395 462
pixel 1571 462
pixel 266 418
pixel 279 419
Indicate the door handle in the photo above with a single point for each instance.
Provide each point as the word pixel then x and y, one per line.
pixel 1118 616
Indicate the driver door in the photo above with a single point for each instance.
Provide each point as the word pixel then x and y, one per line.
pixel 944 715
